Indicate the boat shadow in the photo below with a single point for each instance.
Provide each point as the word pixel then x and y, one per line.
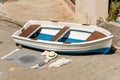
pixel 112 50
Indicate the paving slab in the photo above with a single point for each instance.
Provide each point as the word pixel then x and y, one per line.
pixel 24 10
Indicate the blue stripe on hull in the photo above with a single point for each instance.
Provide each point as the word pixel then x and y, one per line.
pixel 101 50
pixel 96 51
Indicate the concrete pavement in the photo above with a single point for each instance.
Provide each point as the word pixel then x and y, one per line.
pixel 82 67
pixel 24 10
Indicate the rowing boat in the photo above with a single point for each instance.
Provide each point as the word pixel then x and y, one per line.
pixel 63 37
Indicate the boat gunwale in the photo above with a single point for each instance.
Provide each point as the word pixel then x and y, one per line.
pixel 61 43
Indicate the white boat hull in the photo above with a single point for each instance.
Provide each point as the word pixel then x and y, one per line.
pixel 102 45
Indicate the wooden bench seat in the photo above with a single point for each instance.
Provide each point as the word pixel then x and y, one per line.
pixel 29 30
pixel 61 32
pixel 95 35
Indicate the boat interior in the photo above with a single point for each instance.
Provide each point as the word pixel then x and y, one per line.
pixel 65 34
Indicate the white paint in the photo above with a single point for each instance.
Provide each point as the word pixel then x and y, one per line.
pixel 9 54
pixel 91 10
pixel 79 35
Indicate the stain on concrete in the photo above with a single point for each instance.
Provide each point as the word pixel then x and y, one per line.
pixel 28 59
